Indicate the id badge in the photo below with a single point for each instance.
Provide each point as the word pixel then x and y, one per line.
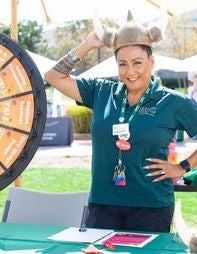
pixel 120 129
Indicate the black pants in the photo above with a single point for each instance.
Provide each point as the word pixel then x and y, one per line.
pixel 130 218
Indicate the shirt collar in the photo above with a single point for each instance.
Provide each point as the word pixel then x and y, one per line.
pixel 120 90
pixel 157 91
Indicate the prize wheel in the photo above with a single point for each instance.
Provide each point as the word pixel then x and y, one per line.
pixel 22 110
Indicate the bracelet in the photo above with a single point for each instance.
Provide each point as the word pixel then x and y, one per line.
pixel 67 63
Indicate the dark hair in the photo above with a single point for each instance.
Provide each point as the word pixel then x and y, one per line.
pixel 145 48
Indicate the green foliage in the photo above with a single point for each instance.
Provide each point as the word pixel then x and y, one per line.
pixel 189 205
pixel 68 37
pixel 180 39
pixel 57 179
pixel 29 36
pixel 181 90
pixel 82 118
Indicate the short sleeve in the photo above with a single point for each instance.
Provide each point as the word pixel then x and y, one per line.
pixel 187 117
pixel 91 89
pixel 86 90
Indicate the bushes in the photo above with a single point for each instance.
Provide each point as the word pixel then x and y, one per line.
pixel 81 117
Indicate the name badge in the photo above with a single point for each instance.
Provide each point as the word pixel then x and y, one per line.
pixel 120 129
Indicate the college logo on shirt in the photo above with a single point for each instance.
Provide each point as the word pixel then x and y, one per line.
pixel 147 111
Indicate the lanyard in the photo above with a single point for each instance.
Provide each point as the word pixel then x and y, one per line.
pixel 119 176
pixel 137 107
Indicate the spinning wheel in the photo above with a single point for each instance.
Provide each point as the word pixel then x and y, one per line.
pixel 22 110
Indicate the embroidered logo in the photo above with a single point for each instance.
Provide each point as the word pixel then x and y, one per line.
pixel 147 111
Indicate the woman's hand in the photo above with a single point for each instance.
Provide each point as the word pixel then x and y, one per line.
pixel 165 169
pixel 93 40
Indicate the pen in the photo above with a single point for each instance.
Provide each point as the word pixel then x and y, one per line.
pixel 83 220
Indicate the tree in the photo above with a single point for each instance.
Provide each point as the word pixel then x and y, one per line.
pixel 29 36
pixel 67 37
pixel 181 37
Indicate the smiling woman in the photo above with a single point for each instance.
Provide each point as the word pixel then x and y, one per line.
pixel 129 146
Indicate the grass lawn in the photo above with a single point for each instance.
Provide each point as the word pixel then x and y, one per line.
pixel 78 179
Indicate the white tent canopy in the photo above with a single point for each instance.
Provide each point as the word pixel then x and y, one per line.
pixel 109 68
pixel 189 64
pixel 43 63
pixel 58 11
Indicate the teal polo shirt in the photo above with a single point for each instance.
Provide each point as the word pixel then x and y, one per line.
pixel 152 129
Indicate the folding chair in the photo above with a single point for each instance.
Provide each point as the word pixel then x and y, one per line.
pixel 37 207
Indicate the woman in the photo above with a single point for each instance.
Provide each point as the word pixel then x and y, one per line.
pixel 134 121
pixel 192 90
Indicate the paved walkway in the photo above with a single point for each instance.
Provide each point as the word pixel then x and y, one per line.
pixel 79 154
pixel 77 149
pixel 80 148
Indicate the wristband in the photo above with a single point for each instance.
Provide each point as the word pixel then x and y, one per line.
pixel 67 63
pixel 185 165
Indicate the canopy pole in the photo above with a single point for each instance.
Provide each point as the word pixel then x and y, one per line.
pixel 14 25
pixel 48 20
pixel 14 36
pixel 153 2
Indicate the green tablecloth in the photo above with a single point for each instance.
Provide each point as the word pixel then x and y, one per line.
pixel 20 236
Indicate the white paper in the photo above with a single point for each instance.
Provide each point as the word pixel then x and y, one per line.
pixel 73 234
